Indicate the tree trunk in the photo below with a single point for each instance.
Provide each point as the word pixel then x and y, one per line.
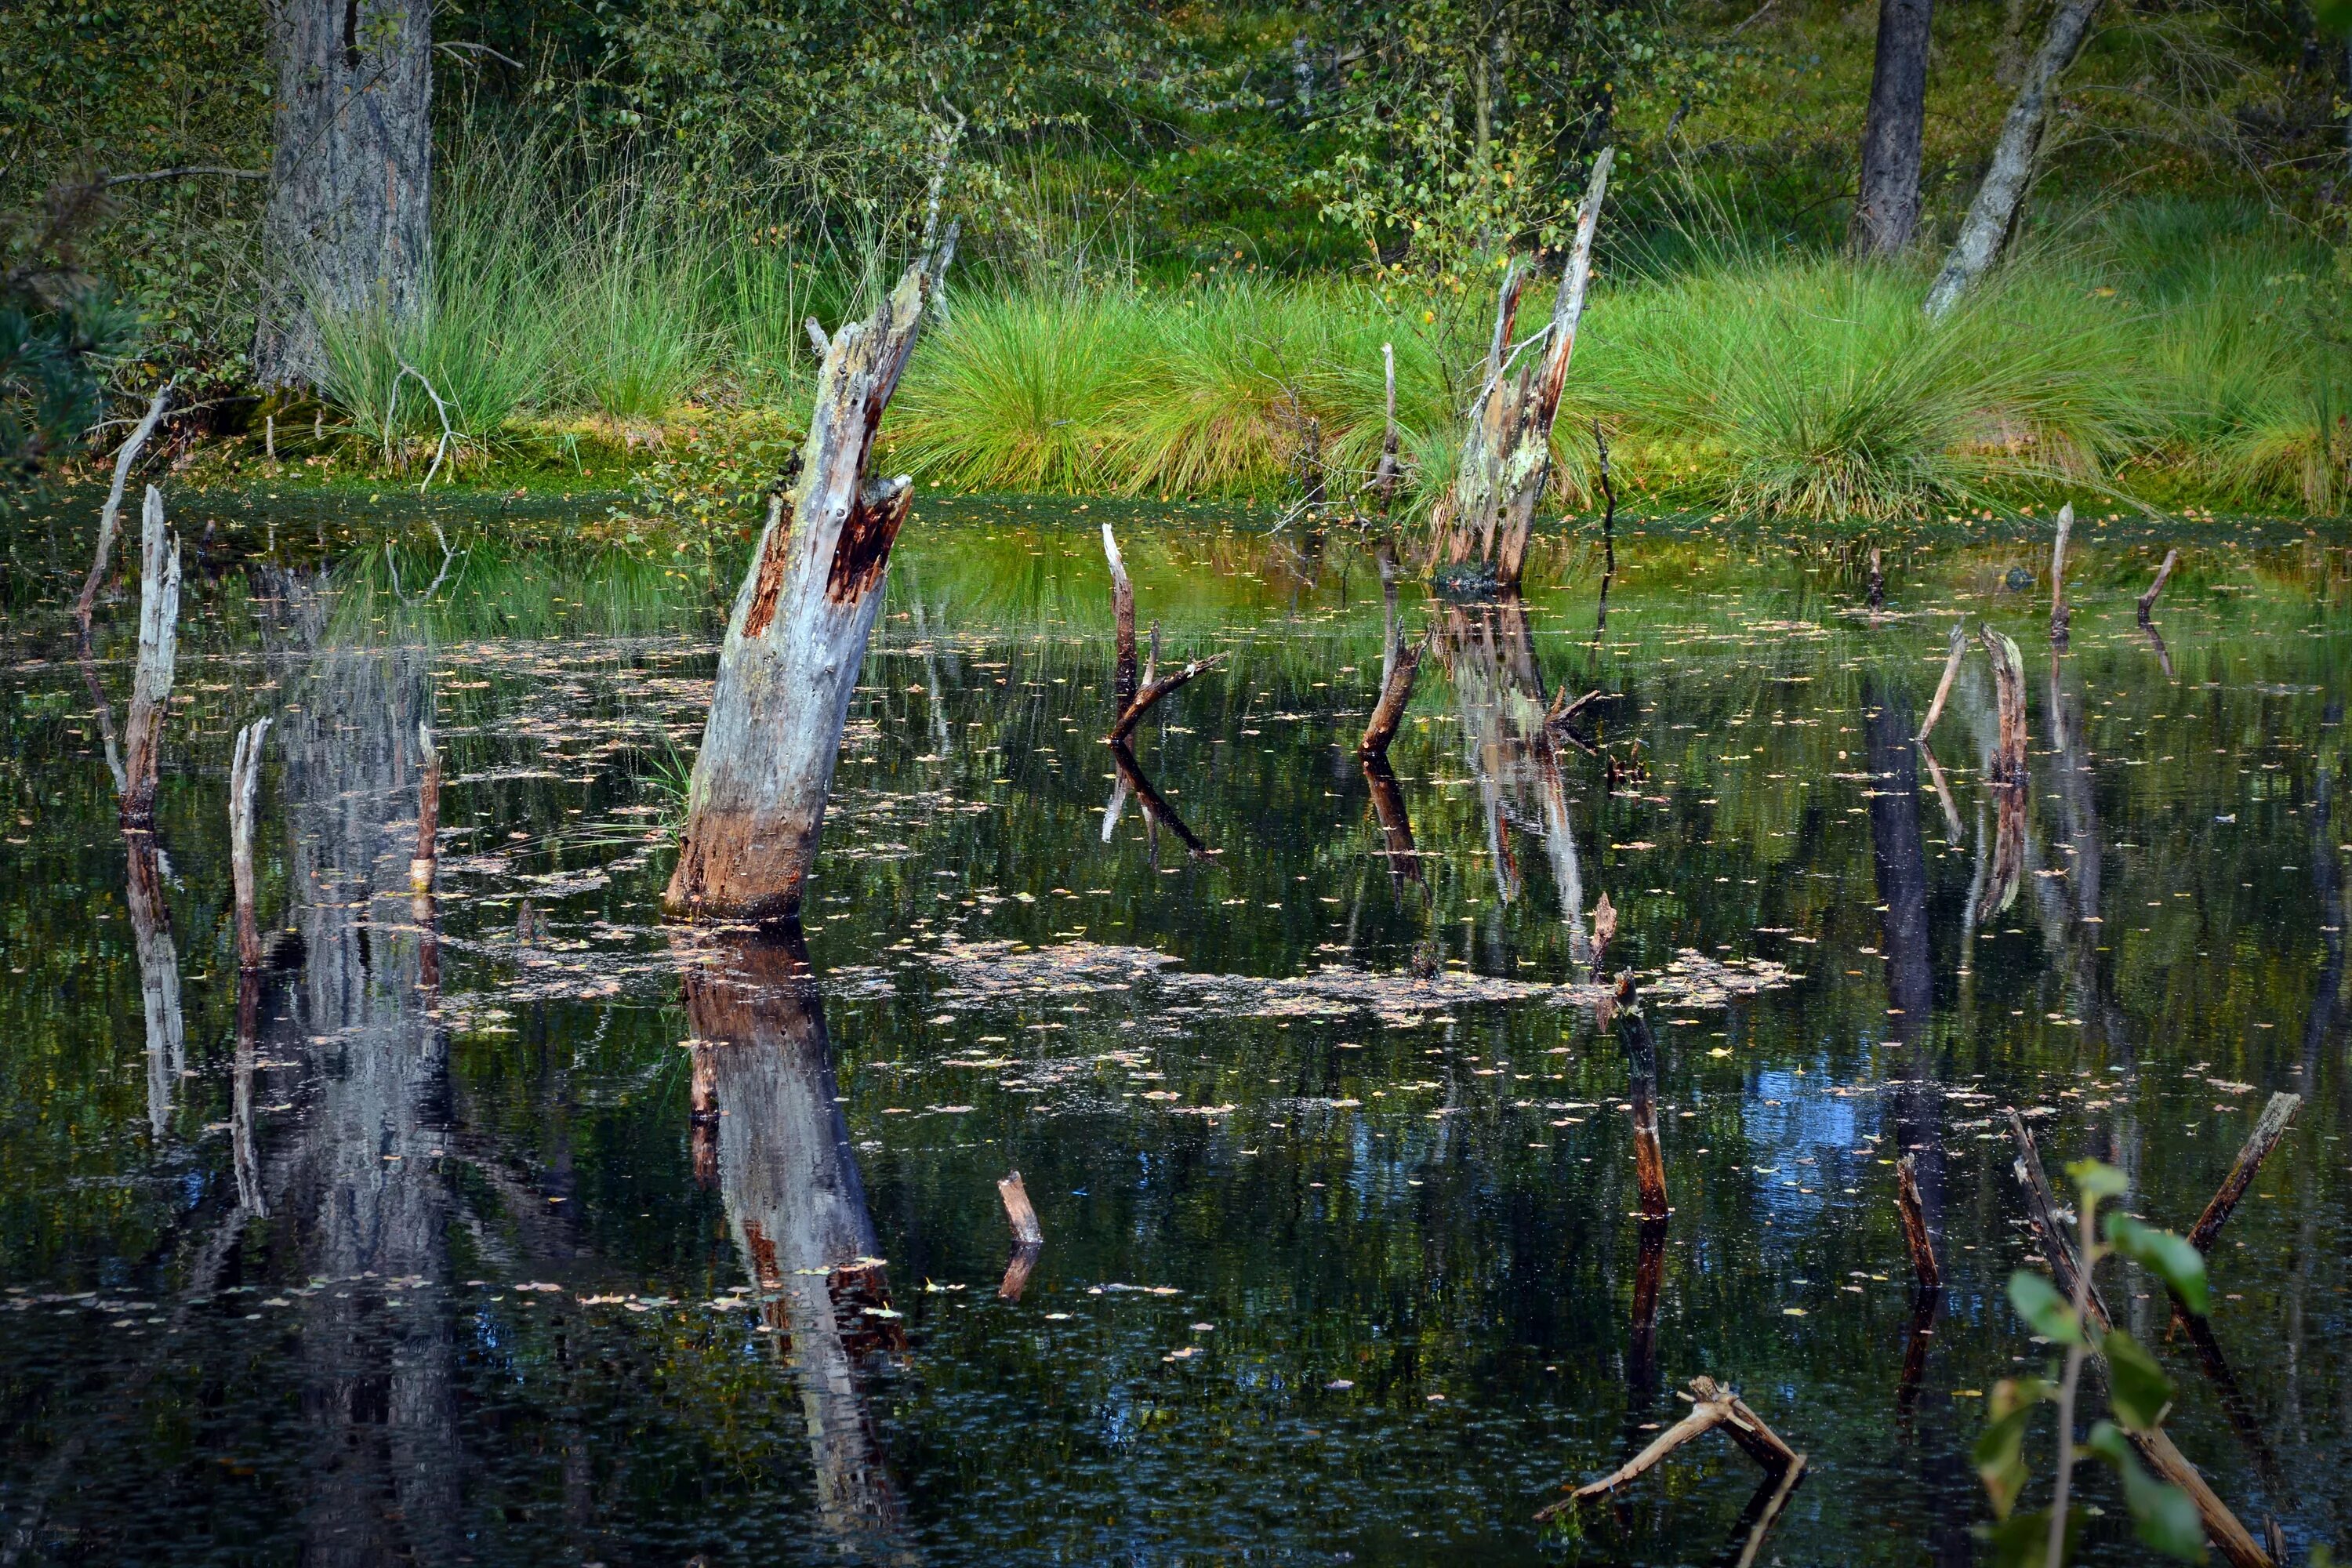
pixel 348 227
pixel 1994 212
pixel 159 647
pixel 797 637
pixel 1888 209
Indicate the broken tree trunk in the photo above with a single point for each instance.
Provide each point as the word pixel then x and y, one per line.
pixel 796 640
pixel 159 647
pixel 1396 693
pixel 2060 616
pixel 2222 1526
pixel 1943 687
pixel 244 794
pixel 429 812
pixel 110 514
pixel 1713 1406
pixel 1992 215
pixel 1642 1055
pixel 1156 687
pixel 1914 1224
pixel 2009 692
pixel 1506 456
pixel 1122 616
pixel 2148 600
pixel 2268 1129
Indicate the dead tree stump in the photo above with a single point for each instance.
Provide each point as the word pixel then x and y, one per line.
pixel 1506 456
pixel 1943 687
pixel 2060 615
pixel 159 649
pixel 796 640
pixel 123 460
pixel 2268 1129
pixel 2148 600
pixel 2008 694
pixel 244 795
pixel 422 864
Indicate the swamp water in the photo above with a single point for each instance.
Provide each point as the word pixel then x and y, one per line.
pixel 516 1227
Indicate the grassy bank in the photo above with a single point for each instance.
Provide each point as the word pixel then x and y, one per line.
pixel 2169 353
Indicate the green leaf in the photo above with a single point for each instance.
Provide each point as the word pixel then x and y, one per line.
pixel 2023 1542
pixel 2097 1181
pixel 2038 1302
pixel 2162 1514
pixel 1999 1451
pixel 2169 1257
pixel 2136 1387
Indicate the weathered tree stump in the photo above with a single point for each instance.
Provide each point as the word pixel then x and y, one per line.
pixel 796 640
pixel 2268 1129
pixel 159 648
pixel 244 795
pixel 2060 615
pixel 2009 695
pixel 1916 1235
pixel 421 864
pixel 1506 456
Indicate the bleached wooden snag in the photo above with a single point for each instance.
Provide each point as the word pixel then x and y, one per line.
pixel 244 795
pixel 159 650
pixel 797 638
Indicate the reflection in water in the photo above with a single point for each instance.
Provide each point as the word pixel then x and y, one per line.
pixel 797 1207
pixel 159 976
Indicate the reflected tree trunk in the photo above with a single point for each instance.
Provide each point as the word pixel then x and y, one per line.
pixel 159 978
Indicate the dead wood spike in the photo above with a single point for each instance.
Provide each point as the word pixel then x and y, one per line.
pixel 1959 646
pixel 2222 1526
pixel 1641 1056
pixel 796 637
pixel 2148 600
pixel 1018 1213
pixel 1914 1224
pixel 428 812
pixel 244 794
pixel 1122 616
pixel 159 648
pixel 2060 616
pixel 109 514
pixel 1152 690
pixel 1878 582
pixel 1712 1406
pixel 2009 692
pixel 1396 694
pixel 2268 1129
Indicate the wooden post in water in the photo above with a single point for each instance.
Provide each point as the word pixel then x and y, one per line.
pixel 1396 694
pixel 1122 616
pixel 2148 600
pixel 2060 616
pixel 797 638
pixel 1028 1235
pixel 244 794
pixel 1641 1056
pixel 1915 1224
pixel 159 648
pixel 429 812
pixel 1878 582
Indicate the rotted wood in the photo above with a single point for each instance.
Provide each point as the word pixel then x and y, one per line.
pixel 159 647
pixel 1489 512
pixel 1604 929
pixel 1396 694
pixel 796 637
pixel 1916 1235
pixel 2060 616
pixel 2222 1526
pixel 2148 600
pixel 1122 617
pixel 1155 687
pixel 1712 1406
pixel 421 864
pixel 2009 693
pixel 244 797
pixel 1959 645
pixel 2269 1128
pixel 1641 1056
pixel 110 515
pixel 1608 515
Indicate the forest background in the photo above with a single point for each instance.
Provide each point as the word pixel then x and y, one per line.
pixel 1187 233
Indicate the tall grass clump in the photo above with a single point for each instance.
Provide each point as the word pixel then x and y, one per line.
pixel 1015 392
pixel 637 274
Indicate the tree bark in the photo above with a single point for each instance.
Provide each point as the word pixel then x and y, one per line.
pixel 244 794
pixel 109 514
pixel 1993 214
pixel 797 637
pixel 159 647
pixel 1888 210
pixel 348 226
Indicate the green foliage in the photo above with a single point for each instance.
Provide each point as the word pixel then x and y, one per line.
pixel 2167 1255
pixel 2038 1303
pixel 2163 1515
pixel 51 359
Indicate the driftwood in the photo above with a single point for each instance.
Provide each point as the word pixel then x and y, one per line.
pixel 1960 644
pixel 110 515
pixel 2009 693
pixel 2268 1129
pixel 2148 600
pixel 1642 1055
pixel 1122 616
pixel 1396 692
pixel 429 812
pixel 159 647
pixel 1992 215
pixel 1384 477
pixel 1506 456
pixel 797 638
pixel 1713 1406
pixel 1916 1235
pixel 2060 615
pixel 2222 1526
pixel 244 794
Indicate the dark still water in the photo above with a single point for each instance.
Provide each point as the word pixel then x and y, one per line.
pixel 514 1227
